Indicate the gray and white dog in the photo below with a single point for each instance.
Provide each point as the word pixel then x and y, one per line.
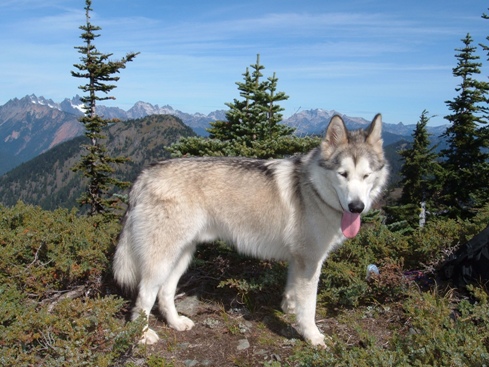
pixel 297 209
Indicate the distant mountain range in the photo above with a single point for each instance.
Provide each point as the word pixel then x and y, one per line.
pixel 197 121
pixel 32 125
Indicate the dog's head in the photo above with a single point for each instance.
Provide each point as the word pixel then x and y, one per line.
pixel 356 167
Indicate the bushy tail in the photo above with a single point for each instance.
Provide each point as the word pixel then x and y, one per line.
pixel 125 264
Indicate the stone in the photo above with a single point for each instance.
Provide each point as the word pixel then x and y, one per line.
pixel 243 344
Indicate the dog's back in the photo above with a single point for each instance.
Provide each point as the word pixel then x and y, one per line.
pixel 244 201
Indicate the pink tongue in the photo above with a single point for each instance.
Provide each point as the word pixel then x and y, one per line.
pixel 350 224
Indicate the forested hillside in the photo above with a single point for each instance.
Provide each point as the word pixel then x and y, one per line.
pixel 48 180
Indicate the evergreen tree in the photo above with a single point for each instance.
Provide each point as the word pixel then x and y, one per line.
pixel 252 127
pixel 485 130
pixel 257 116
pixel 97 165
pixel 419 165
pixel 465 162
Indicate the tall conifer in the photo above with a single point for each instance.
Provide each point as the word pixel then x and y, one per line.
pixel 96 164
pixel 485 130
pixel 419 165
pixel 465 162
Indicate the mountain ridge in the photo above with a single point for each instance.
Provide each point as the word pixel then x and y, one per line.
pixel 32 125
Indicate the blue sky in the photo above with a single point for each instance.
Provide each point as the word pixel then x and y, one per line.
pixel 357 57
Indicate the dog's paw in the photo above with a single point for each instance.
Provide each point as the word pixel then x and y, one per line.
pixel 182 323
pixel 149 337
pixel 288 305
pixel 317 340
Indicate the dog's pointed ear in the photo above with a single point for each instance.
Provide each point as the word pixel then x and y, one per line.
pixel 336 133
pixel 374 133
pixel 335 136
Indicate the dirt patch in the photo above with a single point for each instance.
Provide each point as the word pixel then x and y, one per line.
pixel 243 326
pixel 223 337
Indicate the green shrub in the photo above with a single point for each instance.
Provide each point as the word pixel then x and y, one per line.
pixel 44 251
pixel 436 330
pixel 443 331
pixel 45 256
pixel 59 308
pixel 343 277
pixel 430 245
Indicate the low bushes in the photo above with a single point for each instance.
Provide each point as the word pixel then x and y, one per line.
pixel 59 306
pixel 435 330
pixel 54 295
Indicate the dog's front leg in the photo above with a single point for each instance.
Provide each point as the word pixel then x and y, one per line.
pixel 303 283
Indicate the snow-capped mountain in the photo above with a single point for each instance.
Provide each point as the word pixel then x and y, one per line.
pixel 43 101
pixel 315 121
pixel 32 125
pixel 74 106
pixel 197 121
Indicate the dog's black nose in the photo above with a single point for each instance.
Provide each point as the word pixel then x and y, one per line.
pixel 356 206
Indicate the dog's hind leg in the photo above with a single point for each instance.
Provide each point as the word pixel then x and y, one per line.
pixel 160 278
pixel 166 293
pixel 148 289
pixel 289 299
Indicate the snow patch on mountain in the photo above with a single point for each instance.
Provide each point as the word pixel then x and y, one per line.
pixel 43 101
pixel 74 105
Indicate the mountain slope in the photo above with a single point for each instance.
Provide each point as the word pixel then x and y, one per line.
pixel 8 161
pixel 29 127
pixel 48 181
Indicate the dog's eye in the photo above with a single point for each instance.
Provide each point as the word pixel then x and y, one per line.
pixel 343 174
pixel 366 176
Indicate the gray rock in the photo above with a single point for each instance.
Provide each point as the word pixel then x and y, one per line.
pixel 189 306
pixel 211 323
pixel 243 344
